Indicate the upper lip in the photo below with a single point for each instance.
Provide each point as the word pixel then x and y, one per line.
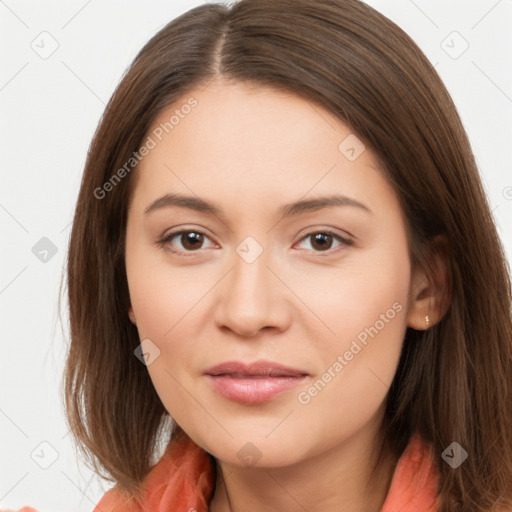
pixel 257 368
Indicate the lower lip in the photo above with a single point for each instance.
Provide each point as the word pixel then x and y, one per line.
pixel 253 390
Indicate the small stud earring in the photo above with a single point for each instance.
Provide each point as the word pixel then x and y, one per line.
pixel 427 320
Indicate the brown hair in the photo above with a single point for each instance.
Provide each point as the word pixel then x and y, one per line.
pixel 453 381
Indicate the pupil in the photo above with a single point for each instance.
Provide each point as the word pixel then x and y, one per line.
pixel 320 238
pixel 192 239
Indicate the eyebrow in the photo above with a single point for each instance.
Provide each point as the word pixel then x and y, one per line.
pixel 287 210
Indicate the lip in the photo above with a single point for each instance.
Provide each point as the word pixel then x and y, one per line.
pixel 253 383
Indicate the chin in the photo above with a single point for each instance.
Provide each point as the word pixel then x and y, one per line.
pixel 255 449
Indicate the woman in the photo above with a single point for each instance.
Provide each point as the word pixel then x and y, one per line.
pixel 283 255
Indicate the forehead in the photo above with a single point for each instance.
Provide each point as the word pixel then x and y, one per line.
pixel 248 143
pixel 245 120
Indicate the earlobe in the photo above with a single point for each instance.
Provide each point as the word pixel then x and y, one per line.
pixel 419 321
pixel 132 316
pixel 431 290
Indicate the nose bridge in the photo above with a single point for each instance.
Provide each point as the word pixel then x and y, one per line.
pixel 250 269
pixel 249 299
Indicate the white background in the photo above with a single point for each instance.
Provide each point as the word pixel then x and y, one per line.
pixel 50 109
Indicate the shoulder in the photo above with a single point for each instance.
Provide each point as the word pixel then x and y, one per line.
pixel 182 479
pixel 415 480
pixel 115 500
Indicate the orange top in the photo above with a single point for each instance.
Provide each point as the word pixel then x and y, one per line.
pixel 183 480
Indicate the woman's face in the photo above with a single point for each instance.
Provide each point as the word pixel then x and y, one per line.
pixel 294 256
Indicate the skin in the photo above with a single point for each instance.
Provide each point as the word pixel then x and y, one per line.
pixel 249 150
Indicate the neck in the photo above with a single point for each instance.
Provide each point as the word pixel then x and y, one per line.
pixel 338 480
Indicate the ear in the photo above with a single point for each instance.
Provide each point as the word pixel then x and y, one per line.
pixel 131 314
pixel 431 288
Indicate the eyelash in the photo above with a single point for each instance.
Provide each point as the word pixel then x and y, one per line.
pixel 167 238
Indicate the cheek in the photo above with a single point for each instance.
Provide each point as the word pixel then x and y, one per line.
pixel 356 373
pixel 366 308
pixel 163 308
pixel 340 303
pixel 168 306
pixel 163 298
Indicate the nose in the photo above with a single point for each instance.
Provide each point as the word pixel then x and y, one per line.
pixel 252 298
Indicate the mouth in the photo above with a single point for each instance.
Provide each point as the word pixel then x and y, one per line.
pixel 253 383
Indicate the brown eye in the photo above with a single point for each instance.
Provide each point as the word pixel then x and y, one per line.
pixel 191 240
pixel 322 241
pixel 184 241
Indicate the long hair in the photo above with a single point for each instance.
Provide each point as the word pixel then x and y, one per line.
pixel 453 381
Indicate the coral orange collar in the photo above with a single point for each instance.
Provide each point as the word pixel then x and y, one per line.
pixel 183 480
